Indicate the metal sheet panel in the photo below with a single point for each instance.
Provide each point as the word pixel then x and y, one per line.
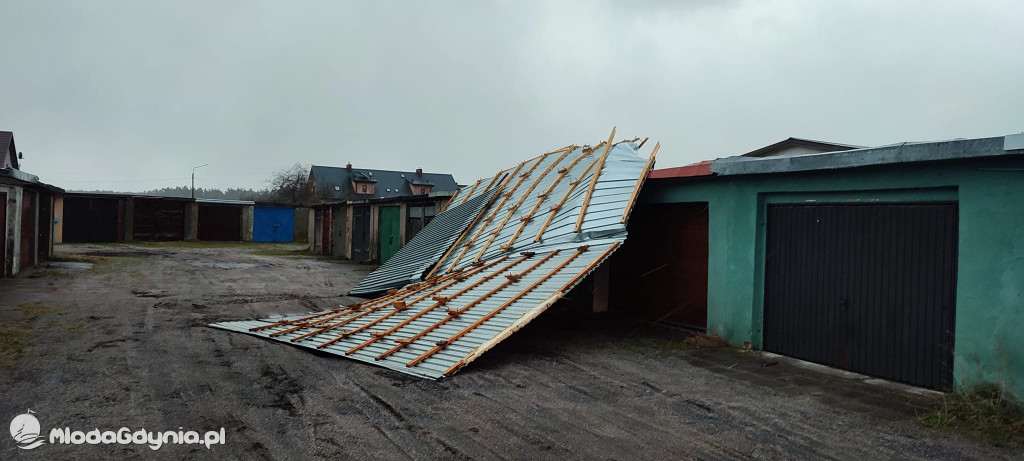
pixel 422 252
pixel 553 277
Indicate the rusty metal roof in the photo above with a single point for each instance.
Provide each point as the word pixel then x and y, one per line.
pixel 548 223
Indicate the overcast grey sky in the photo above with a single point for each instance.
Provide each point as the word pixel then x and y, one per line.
pixel 129 95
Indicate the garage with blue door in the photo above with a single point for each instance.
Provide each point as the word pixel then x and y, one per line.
pixel 273 224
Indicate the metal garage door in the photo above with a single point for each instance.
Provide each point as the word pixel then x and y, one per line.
pixel 220 223
pixel 273 224
pixel 3 234
pixel 869 288
pixel 361 233
pixel 90 219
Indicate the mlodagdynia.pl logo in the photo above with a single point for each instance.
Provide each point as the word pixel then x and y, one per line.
pixel 25 431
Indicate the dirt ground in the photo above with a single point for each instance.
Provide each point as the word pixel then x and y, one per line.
pixel 125 343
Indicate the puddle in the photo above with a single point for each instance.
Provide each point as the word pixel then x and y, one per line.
pixel 70 266
pixel 223 265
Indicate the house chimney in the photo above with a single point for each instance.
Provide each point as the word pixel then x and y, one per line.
pixel 348 167
pixel 419 171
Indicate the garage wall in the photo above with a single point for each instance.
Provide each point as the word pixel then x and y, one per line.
pixel 990 281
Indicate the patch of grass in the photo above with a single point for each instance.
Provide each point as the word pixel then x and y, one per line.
pixel 300 252
pixel 15 335
pixel 39 272
pixel 704 341
pixel 76 258
pixel 118 265
pixel 988 411
pixel 12 345
pixel 75 328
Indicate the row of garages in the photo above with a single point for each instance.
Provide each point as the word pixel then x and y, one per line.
pixel 125 218
pixel 26 220
pixel 904 262
pixel 371 230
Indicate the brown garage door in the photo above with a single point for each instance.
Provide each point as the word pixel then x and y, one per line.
pixel 3 234
pixel 28 229
pixel 869 288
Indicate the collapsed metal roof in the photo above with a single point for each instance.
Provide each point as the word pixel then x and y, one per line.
pixel 412 262
pixel 546 224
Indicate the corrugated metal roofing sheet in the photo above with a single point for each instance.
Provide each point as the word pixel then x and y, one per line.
pixel 547 223
pixel 412 262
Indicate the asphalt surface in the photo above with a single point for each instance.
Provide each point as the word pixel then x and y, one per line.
pixel 126 344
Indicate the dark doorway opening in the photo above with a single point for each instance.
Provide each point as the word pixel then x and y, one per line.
pixel 661 272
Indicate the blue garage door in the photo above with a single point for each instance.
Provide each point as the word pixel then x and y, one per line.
pixel 273 224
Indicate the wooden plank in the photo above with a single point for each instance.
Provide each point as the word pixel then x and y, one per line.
pixel 593 183
pixel 370 307
pixel 530 314
pixel 512 210
pixel 544 196
pixel 303 319
pixel 476 301
pixel 438 303
pixel 639 182
pixel 470 194
pixel 568 285
pixel 444 343
pixel 498 208
pixel 465 232
pixel 399 306
pixel 449 202
pixel 561 203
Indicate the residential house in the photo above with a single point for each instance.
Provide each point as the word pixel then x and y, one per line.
pixel 368 215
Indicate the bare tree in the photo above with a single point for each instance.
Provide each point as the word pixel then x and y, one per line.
pixel 289 184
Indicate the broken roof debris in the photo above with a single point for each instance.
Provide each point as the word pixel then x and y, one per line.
pixel 542 227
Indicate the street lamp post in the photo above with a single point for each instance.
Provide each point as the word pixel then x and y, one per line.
pixel 194 179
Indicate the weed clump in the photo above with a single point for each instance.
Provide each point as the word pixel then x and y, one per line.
pixel 987 410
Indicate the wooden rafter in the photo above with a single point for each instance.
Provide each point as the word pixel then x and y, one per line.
pixel 449 202
pixel 470 193
pixel 439 302
pixel 462 236
pixel 515 207
pixel 494 212
pixel 369 307
pixel 544 196
pixel 300 320
pixel 561 203
pixel 639 182
pixel 455 313
pixel 399 306
pixel 403 343
pixel 529 315
pixel 444 343
pixel 593 183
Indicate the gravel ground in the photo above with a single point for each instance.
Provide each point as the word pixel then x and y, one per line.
pixel 126 344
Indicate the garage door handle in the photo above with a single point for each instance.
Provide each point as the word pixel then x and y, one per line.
pixel 844 303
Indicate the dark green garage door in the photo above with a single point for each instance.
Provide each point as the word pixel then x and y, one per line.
pixel 869 288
